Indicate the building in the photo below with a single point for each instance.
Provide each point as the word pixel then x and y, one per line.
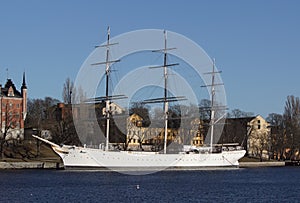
pixel 151 137
pixel 135 132
pixel 259 138
pixel 252 133
pixel 197 132
pixel 13 110
pixel 90 122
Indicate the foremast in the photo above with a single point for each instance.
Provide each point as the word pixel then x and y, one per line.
pixel 166 103
pixel 107 98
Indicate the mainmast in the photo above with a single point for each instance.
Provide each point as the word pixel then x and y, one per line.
pixel 166 99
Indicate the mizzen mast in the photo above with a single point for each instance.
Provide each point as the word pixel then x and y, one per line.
pixel 213 102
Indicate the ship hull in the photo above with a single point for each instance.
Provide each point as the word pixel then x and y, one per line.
pixel 78 157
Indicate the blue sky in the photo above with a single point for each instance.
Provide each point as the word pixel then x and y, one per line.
pixel 256 43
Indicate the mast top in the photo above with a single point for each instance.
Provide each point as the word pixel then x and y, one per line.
pixel 108 34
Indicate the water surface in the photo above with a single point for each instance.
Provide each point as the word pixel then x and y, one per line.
pixel 280 184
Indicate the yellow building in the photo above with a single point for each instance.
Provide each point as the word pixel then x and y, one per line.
pixel 135 132
pixel 259 133
pixel 140 137
pixel 197 132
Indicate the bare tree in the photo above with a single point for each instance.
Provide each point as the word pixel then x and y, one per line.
pixel 35 113
pixel 291 119
pixel 277 134
pixel 9 124
pixel 237 113
pixel 40 112
pixel 68 93
pixel 260 144
pixel 205 109
pixel 79 96
pixel 48 104
pixel 72 94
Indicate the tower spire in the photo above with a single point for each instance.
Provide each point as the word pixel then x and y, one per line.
pixel 24 82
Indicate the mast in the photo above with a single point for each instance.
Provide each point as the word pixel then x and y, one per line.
pixel 165 99
pixel 213 107
pixel 108 98
pixel 212 117
pixel 107 101
pixel 166 103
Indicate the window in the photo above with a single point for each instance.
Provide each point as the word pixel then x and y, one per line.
pixel 11 93
pixel 258 124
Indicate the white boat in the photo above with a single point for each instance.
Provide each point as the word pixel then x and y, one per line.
pixel 81 157
pixel 188 158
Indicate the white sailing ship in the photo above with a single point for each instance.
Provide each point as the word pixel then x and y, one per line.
pixel 188 158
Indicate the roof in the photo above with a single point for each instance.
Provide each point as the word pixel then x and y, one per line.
pixel 4 90
pixel 235 130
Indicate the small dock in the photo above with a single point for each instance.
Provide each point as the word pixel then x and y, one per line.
pixel 292 163
pixel 262 164
pixel 31 165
